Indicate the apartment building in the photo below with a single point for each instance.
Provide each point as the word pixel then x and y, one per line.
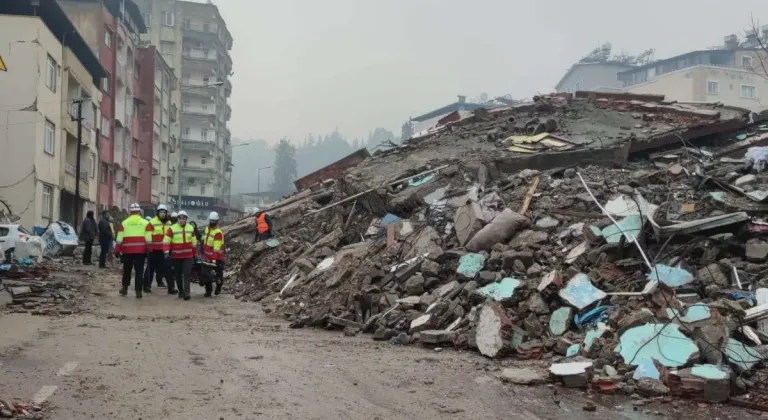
pixel 51 72
pixel 194 40
pixel 156 116
pixel 111 28
pixel 732 74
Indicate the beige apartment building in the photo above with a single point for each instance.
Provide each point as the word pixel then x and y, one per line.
pixel 44 80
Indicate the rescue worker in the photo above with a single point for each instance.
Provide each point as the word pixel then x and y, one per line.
pixel 133 238
pixel 263 226
pixel 180 247
pixel 213 251
pixel 156 266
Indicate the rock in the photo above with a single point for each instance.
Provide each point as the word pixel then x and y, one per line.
pixel 414 286
pixel 745 180
pixel 756 250
pixel 713 274
pixel 402 339
pixel 494 329
pixel 537 305
pixel 651 387
pixel 569 173
pixel 486 277
pixel 518 267
pixel 550 125
pixel 430 268
pixel 527 238
pixel 431 282
pixel 304 265
pixel 343 322
pixel 448 290
pixel 523 376
pixel 468 221
pixel 351 331
pixel 508 259
pixel 6 414
pixel 547 222
pixel 383 333
pixel 421 323
pixel 437 336
pixel 501 229
pixel 533 326
pixel 534 270
pixel 589 406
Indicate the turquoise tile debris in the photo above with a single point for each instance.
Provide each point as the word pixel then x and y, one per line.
pixel 560 321
pixel 709 372
pixel 662 342
pixel 502 290
pixel 694 313
pixel 646 369
pixel 470 265
pixel 415 182
pixel 630 226
pixel 742 356
pixel 573 350
pixel 580 292
pixel 272 242
pixel 671 276
pixel 596 231
pixel 593 335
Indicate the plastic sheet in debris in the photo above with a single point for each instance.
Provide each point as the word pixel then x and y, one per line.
pixel 662 342
pixel 60 239
pixel 592 317
pixel 758 157
pixel 502 290
pixel 580 292
pixel 671 276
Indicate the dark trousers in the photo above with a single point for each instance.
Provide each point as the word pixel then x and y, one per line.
pixel 218 279
pixel 156 268
pixel 88 252
pixel 182 269
pixel 263 236
pixel 135 262
pixel 104 244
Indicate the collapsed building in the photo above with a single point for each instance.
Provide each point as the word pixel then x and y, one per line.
pixel 619 238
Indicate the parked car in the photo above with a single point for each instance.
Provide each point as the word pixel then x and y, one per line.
pixel 9 234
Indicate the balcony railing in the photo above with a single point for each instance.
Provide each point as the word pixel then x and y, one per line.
pixel 70 169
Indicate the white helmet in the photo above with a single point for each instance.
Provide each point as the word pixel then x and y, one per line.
pixel 174 214
pixel 135 207
pixel 213 216
pixel 162 207
pixel 149 219
pixel 182 213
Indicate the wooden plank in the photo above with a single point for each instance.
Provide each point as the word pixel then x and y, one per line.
pixel 529 196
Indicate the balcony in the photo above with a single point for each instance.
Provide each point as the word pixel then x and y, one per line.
pixel 200 60
pixel 227 87
pixel 205 33
pixel 200 145
pixel 200 90
pixel 199 168
pixel 192 114
pixel 69 180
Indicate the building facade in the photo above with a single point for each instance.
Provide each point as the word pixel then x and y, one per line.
pixel 45 82
pixel 156 116
pixel 112 28
pixel 599 77
pixel 194 40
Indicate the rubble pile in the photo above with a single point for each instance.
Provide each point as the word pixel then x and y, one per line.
pixel 645 276
pixel 48 287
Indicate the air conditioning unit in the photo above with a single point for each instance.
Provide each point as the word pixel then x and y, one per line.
pixel 155 171
pixel 191 181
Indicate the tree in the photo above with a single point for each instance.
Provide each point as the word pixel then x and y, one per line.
pixel 407 130
pixel 284 172
pixel 758 63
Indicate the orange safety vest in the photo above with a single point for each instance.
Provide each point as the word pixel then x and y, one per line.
pixel 133 235
pixel 261 223
pixel 180 241
pixel 158 233
pixel 213 244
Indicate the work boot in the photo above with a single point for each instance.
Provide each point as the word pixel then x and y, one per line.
pixel 186 297
pixel 218 289
pixel 147 289
pixel 138 294
pixel 160 283
pixel 207 294
pixel 124 290
pixel 181 294
pixel 172 291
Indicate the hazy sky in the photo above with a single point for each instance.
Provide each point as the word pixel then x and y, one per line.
pixel 306 66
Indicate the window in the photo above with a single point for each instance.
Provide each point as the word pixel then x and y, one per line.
pixel 168 18
pixel 135 148
pixel 185 106
pixel 134 185
pixel 202 160
pixel 206 27
pixel 746 62
pixel 187 24
pixel 202 190
pixel 105 83
pixel 166 47
pixel 103 173
pixel 185 161
pixel 93 165
pixel 205 52
pixel 748 92
pixel 205 107
pixel 50 138
pixel 162 185
pixel 165 152
pixel 204 134
pixel 713 87
pixel 205 80
pixel 50 73
pixel 186 132
pixel 47 201
pixel 106 126
pixel 147 19
pixel 108 38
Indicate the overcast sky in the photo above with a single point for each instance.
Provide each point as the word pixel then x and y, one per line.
pixel 306 66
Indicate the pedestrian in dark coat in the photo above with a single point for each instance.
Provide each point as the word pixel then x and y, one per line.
pixel 88 233
pixel 106 236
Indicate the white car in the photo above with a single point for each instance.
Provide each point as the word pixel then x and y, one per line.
pixel 9 234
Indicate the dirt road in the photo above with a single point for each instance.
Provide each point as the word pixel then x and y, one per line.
pixel 162 358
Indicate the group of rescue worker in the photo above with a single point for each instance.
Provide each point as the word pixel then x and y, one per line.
pixel 169 244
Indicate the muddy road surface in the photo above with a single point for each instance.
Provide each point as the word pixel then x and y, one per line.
pixel 163 358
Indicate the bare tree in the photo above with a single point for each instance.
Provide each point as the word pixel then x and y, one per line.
pixel 760 45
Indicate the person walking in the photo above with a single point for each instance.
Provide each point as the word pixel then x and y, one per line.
pixel 106 236
pixel 133 238
pixel 180 247
pixel 88 233
pixel 213 250
pixel 263 226
pixel 156 265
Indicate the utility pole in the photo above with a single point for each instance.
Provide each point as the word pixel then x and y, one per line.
pixel 79 120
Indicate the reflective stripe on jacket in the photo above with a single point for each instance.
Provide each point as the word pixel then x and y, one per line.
pixel 261 223
pixel 213 244
pixel 133 235
pixel 180 241
pixel 158 233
